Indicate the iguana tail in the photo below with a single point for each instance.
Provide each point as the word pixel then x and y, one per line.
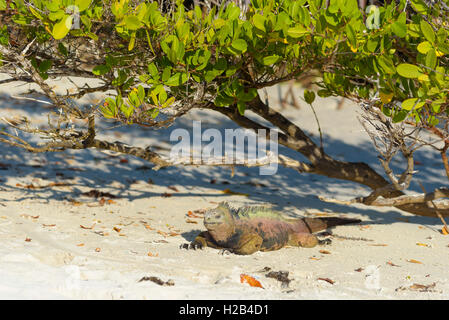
pixel 318 224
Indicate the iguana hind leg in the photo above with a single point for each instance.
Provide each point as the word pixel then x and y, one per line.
pixel 306 240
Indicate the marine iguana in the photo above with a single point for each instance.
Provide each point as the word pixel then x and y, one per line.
pixel 250 229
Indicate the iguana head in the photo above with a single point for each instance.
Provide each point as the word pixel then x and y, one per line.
pixel 219 222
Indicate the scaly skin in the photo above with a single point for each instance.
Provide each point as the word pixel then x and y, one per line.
pixel 252 229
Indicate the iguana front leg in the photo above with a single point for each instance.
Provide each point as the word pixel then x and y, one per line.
pixel 248 244
pixel 204 239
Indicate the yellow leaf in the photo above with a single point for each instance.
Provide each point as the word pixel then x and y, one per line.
pixel 414 261
pixel 439 53
pixel 423 77
pixel 422 244
pixel 386 97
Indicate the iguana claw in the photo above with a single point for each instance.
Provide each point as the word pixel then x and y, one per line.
pixel 225 251
pixel 325 242
pixel 191 245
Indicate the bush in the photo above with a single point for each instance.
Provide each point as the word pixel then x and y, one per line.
pixel 161 60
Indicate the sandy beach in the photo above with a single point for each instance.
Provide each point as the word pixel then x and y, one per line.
pixel 97 225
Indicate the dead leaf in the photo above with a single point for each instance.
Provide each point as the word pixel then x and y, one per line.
pixel 192 215
pixel 48 225
pixel 97 249
pixel 166 195
pixel 422 287
pixel 75 203
pixel 28 216
pixel 445 231
pixel 52 184
pixel 379 245
pixel 147 226
pixel 191 221
pixel 327 280
pixel 414 261
pixel 320 214
pixel 98 194
pixel 229 191
pixel 150 254
pixel 27 239
pixel 88 228
pixel 419 287
pixel 392 264
pixel 281 276
pixel 162 233
pixel 102 233
pixel 173 234
pixel 124 161
pixel 359 269
pixel 173 188
pixel 80 245
pixel 325 252
pixel 117 229
pixel 109 201
pixel 422 244
pixel 250 280
pixel 158 281
pixel 314 258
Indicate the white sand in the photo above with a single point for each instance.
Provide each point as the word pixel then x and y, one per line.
pixel 62 260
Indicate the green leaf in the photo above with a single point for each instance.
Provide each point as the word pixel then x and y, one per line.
pixel 269 60
pixel 101 70
pixel 241 106
pixel 259 22
pixel 400 26
pixel 62 49
pixel 297 31
pixel 386 64
pixel 351 35
pixel 409 104
pixel 408 71
pixel 427 31
pixel 424 47
pixel 61 28
pixel 82 4
pixel 152 69
pixel 234 12
pixel 419 6
pixel 168 102
pixel 239 45
pixel 177 79
pixel 132 23
pixel 309 96
pixel 431 59
pixel 400 116
pixel 45 65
